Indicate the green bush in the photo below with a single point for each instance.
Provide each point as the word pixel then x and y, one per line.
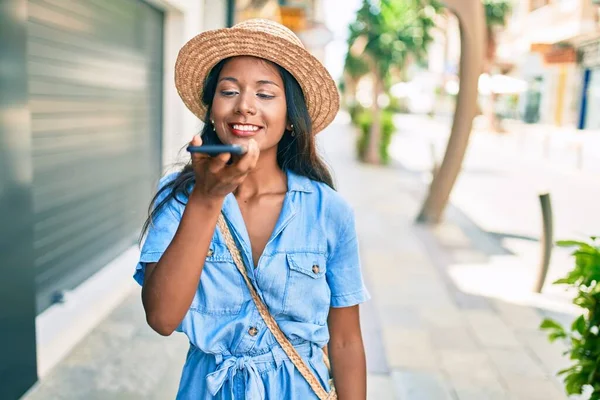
pixel 354 111
pixel 363 119
pixel 582 337
pixel 398 105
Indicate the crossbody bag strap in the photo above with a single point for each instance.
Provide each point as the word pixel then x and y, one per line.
pixel 283 341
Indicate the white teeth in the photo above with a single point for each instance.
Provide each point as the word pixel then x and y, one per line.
pixel 250 128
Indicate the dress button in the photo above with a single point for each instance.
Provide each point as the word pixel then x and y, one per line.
pixel 316 269
pixel 209 253
pixel 252 331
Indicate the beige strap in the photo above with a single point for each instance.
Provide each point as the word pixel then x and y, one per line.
pixel 285 344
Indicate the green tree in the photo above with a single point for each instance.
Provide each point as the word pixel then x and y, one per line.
pixel 354 69
pixel 383 36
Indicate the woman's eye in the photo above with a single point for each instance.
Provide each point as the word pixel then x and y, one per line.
pixel 228 93
pixel 265 96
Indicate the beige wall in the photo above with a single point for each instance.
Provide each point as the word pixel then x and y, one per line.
pixel 558 21
pixel 184 19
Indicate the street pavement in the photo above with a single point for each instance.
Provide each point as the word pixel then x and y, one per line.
pixel 498 192
pixel 444 321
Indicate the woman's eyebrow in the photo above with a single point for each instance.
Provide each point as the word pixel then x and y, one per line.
pixel 266 82
pixel 228 78
pixel 260 82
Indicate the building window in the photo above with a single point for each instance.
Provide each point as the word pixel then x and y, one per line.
pixel 535 4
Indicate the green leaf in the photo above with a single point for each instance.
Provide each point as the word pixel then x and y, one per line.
pixel 574 383
pixel 551 324
pixel 567 281
pixel 579 325
pixel 573 243
pixel 573 368
pixel 556 335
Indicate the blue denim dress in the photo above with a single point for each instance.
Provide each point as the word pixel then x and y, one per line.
pixel 310 263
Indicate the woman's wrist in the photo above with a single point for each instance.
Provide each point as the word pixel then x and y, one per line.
pixel 209 202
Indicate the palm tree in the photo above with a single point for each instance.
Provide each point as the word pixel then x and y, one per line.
pixel 354 69
pixel 384 34
pixel 496 13
pixel 472 31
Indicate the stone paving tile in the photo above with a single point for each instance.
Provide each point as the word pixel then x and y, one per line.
pixel 454 338
pixel 380 387
pixel 387 296
pixel 550 355
pixel 518 317
pixel 372 337
pixel 510 362
pixel 490 330
pixel 451 235
pixel 118 360
pixel 401 316
pixel 467 301
pixel 444 316
pixel 474 392
pixel 409 348
pixel 534 389
pixel 468 256
pixel 421 385
pixel 470 368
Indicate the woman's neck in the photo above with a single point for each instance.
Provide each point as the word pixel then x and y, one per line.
pixel 266 178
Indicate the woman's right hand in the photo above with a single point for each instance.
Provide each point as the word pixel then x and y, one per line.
pixel 214 178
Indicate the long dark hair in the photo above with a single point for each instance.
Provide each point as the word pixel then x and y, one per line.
pixel 296 153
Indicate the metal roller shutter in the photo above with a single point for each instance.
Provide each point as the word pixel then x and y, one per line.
pixel 95 78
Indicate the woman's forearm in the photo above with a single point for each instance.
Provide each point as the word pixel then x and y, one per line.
pixel 349 369
pixel 170 286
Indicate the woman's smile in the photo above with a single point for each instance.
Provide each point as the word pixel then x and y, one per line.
pixel 244 130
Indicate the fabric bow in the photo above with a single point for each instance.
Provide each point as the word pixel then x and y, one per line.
pixel 229 368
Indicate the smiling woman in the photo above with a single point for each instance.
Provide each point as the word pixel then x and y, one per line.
pixel 260 296
pixel 246 107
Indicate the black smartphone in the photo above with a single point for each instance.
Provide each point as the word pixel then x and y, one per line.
pixel 216 149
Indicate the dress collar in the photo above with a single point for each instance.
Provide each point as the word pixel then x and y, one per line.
pixel 298 183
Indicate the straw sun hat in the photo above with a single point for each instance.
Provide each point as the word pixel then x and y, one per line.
pixel 259 38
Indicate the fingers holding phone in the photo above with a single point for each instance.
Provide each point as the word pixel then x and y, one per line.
pixel 247 162
pixel 219 169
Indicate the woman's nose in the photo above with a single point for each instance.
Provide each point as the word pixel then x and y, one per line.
pixel 246 105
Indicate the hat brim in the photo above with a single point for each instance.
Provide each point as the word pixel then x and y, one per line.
pixel 199 55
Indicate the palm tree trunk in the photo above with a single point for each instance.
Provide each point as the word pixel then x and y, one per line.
pixel 472 33
pixel 373 156
pixel 494 123
pixel 350 92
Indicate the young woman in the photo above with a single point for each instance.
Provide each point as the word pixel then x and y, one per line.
pixel 255 86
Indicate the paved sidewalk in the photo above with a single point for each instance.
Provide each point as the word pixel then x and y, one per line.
pixel 427 337
pixel 441 342
pixel 498 192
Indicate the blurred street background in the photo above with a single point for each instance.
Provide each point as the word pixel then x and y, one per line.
pixel 444 170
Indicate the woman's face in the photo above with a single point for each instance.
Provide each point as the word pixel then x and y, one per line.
pixel 249 102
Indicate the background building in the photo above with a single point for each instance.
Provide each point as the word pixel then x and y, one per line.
pixel 304 17
pixel 543 42
pixel 89 120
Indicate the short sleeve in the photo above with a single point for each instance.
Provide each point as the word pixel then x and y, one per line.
pixel 344 274
pixel 161 230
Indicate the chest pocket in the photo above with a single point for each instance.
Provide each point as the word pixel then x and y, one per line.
pixel 220 291
pixel 307 295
